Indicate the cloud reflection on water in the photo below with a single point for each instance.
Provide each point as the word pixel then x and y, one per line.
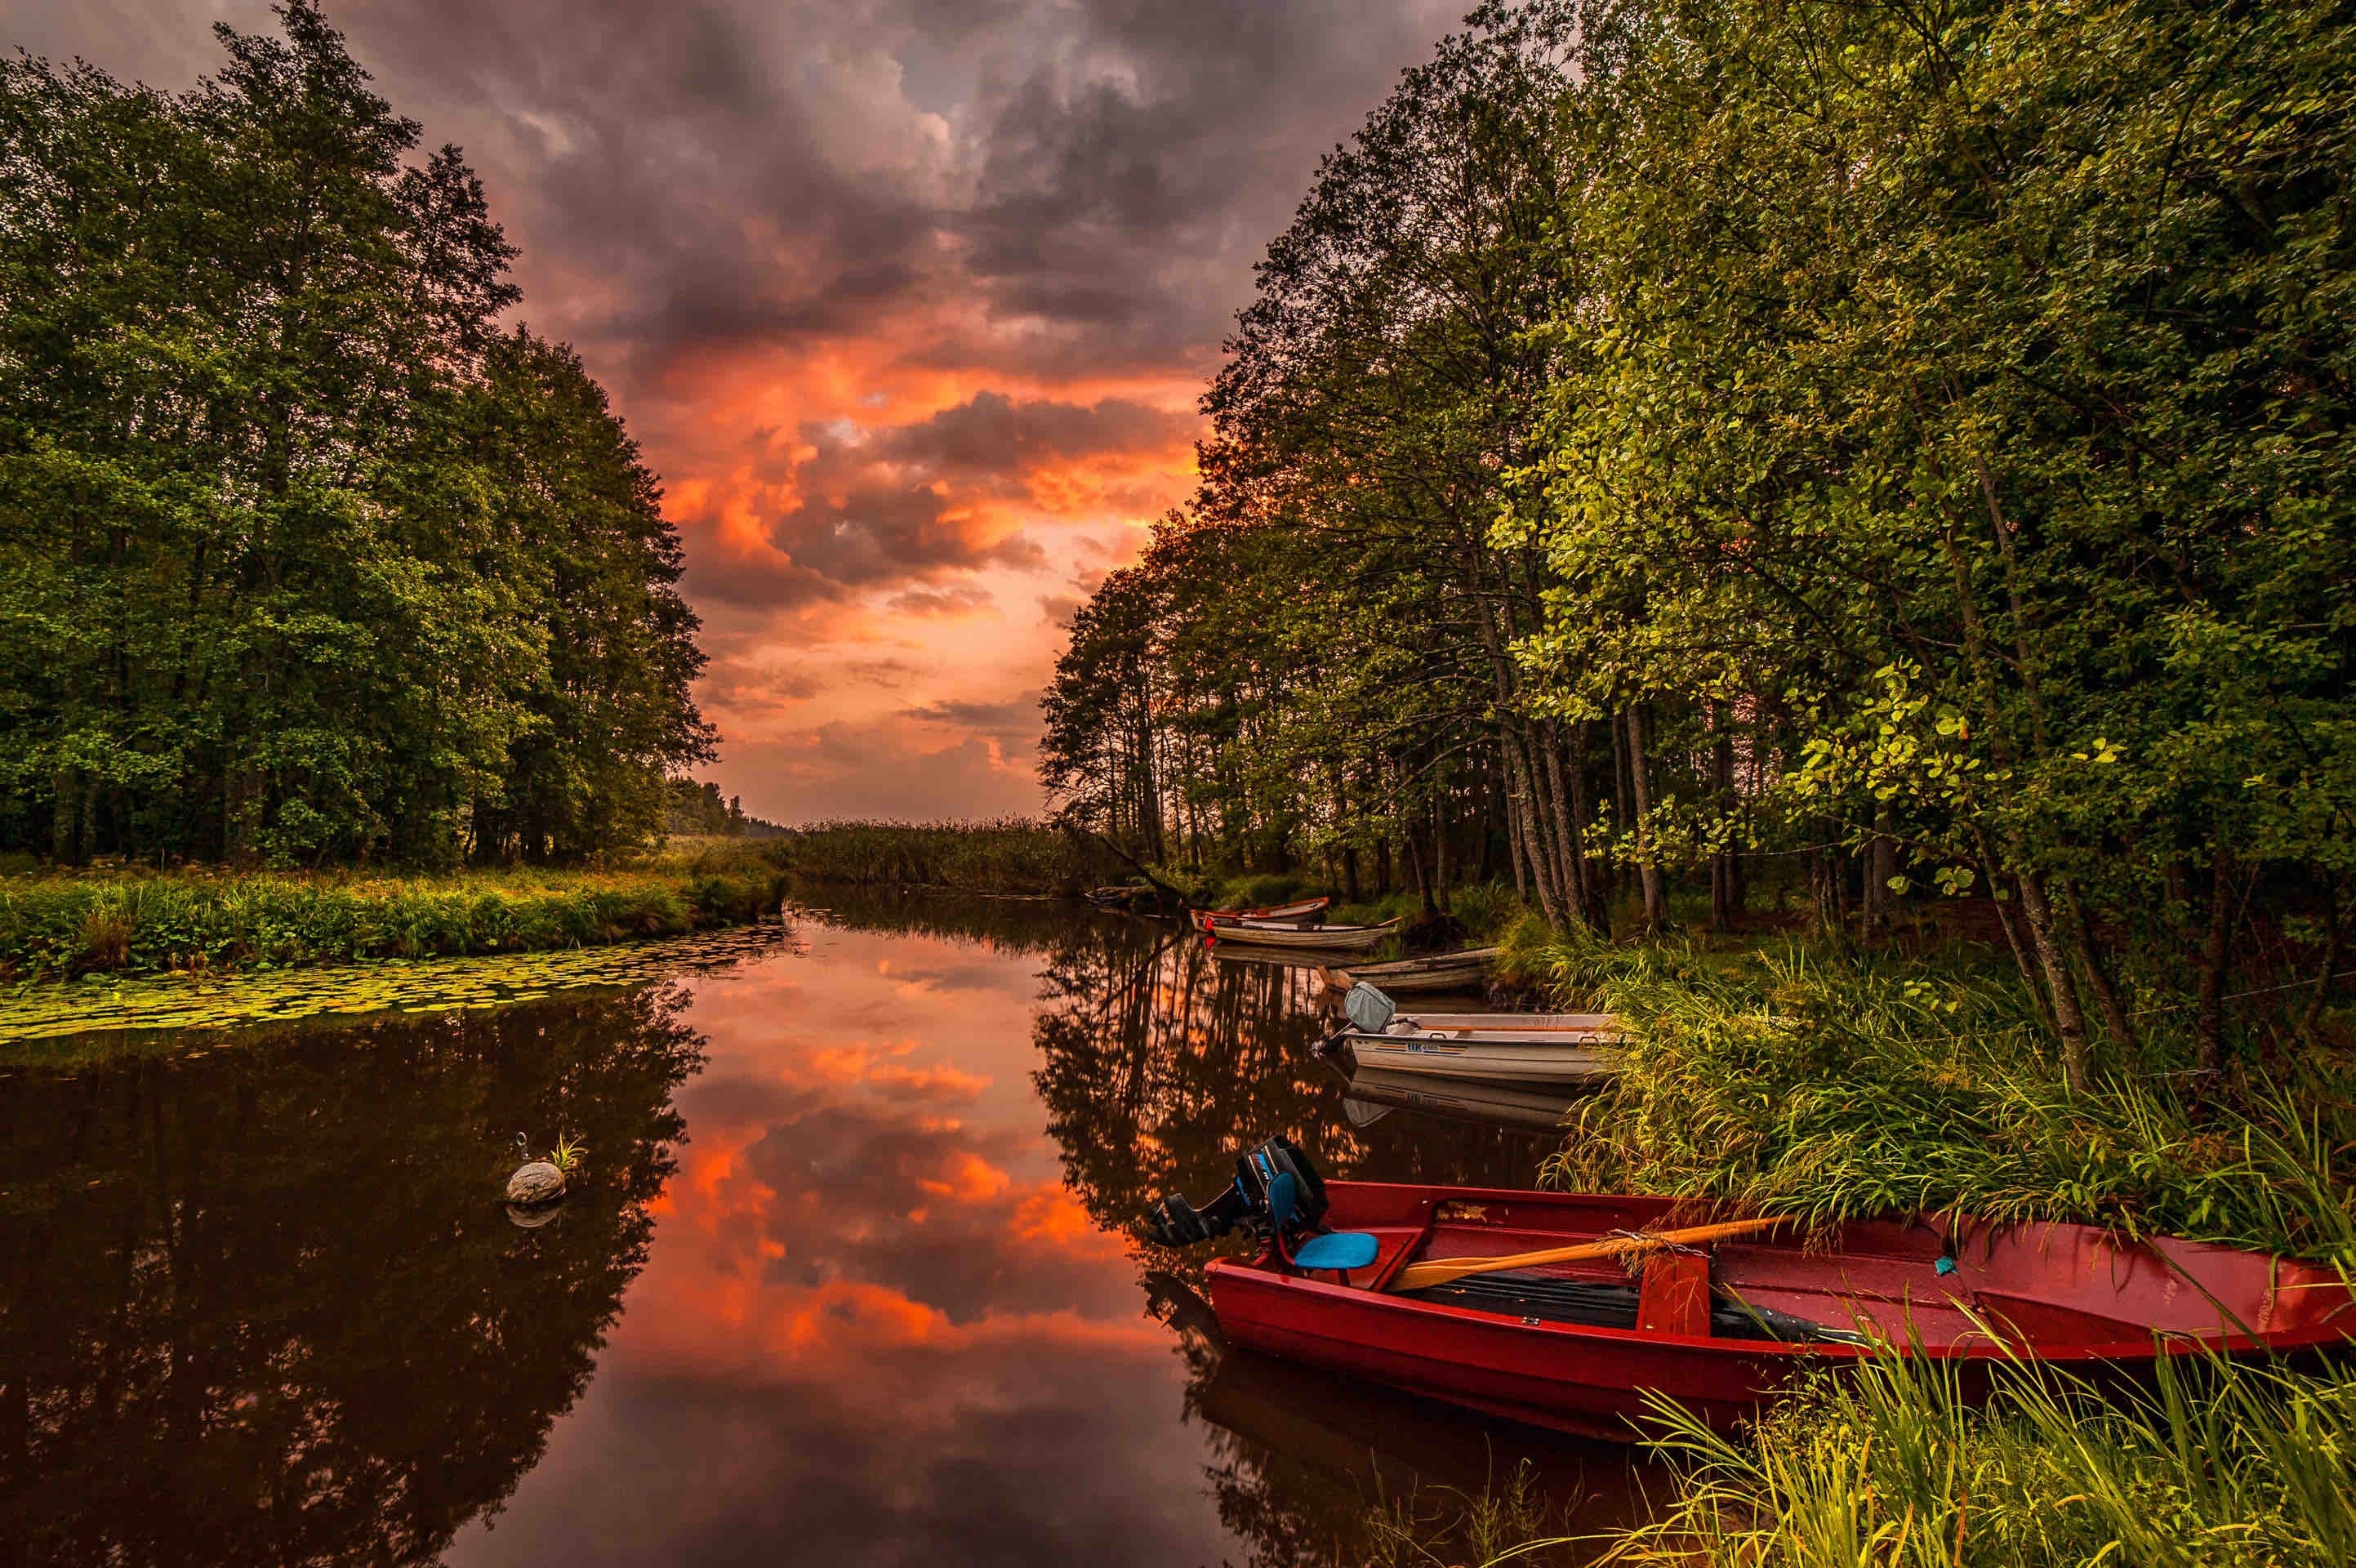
pixel 876 1326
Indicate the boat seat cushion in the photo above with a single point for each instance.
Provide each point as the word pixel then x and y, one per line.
pixel 1340 1249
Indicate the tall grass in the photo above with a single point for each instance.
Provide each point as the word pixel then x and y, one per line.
pixel 52 926
pixel 1836 1088
pixel 1013 856
pixel 1889 1466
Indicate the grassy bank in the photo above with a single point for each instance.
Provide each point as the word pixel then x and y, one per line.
pixel 1014 855
pixel 1889 1465
pixel 1825 1084
pixel 126 921
pixel 1796 1081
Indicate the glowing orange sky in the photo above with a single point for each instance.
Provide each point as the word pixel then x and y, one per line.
pixel 908 302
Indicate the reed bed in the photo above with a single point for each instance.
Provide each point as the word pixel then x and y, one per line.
pixel 2217 1466
pixel 1833 1087
pixel 1013 855
pixel 52 927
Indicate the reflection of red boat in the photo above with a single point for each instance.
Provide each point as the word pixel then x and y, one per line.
pixel 1577 1346
pixel 1308 909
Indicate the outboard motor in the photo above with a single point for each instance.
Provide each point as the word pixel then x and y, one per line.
pixel 1368 1009
pixel 1276 1195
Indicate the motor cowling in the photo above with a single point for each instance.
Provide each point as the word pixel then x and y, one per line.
pixel 1277 1193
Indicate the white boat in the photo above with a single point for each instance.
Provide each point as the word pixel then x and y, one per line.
pixel 1496 1048
pixel 1437 971
pixel 1299 934
pixel 1493 1055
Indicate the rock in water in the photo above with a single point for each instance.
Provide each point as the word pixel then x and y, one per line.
pixel 535 1183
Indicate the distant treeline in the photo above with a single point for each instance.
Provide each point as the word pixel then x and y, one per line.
pixel 1011 855
pixel 1910 445
pixel 697 808
pixel 303 557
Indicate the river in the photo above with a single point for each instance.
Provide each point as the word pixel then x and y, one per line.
pixel 845 1279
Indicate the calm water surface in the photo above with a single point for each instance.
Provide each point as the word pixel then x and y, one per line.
pixel 847 1281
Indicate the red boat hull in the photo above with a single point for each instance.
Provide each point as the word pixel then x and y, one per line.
pixel 2067 1294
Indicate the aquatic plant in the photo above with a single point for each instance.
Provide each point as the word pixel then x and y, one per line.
pixel 567 1152
pixel 2217 1463
pixel 34 1017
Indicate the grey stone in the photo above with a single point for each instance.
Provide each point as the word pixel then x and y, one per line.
pixel 535 1183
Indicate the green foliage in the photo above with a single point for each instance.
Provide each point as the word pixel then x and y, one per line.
pixel 1832 1088
pixel 695 809
pixel 1014 855
pixel 2219 1464
pixel 60 925
pixel 302 558
pixel 1912 447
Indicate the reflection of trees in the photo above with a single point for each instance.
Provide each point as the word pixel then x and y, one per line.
pixel 262 1305
pixel 1020 925
pixel 1159 1062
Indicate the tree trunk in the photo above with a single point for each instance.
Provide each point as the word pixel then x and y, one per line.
pixel 2069 1020
pixel 65 820
pixel 1571 856
pixel 1722 904
pixel 2216 955
pixel 1656 902
pixel 1532 836
pixel 2088 952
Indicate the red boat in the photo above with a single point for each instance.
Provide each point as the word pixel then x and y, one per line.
pixel 1308 909
pixel 1577 1346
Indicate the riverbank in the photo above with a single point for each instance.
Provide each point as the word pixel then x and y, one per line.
pixel 126 921
pixel 1803 1080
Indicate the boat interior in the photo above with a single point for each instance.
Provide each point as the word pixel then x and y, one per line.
pixel 2050 1286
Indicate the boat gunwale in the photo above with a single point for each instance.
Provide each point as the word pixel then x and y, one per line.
pixel 2338 1329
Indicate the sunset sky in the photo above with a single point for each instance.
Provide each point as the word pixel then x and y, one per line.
pixel 908 301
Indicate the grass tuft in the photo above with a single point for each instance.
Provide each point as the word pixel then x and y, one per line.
pixel 1888 1464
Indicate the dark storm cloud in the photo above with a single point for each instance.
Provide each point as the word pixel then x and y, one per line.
pixel 1013 724
pixel 991 434
pixel 965 241
pixel 895 504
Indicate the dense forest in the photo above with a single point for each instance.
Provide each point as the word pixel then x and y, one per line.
pixel 303 555
pixel 1901 448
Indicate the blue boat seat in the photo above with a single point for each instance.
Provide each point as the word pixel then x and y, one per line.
pixel 1338 1249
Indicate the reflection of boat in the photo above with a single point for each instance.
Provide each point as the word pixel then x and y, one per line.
pixel 1508 1047
pixel 1437 971
pixel 1498 1104
pixel 1307 910
pixel 1386 1444
pixel 1723 1329
pixel 1300 934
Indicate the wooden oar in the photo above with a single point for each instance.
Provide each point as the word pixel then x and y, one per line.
pixel 1420 1276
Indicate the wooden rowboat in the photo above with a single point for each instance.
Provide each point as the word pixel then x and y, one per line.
pixel 1558 1049
pixel 1577 1346
pixel 1438 971
pixel 1297 934
pixel 1310 910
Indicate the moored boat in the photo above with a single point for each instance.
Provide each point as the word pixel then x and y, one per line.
pixel 1299 934
pixel 1722 1328
pixel 1435 972
pixel 1305 911
pixel 1558 1049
